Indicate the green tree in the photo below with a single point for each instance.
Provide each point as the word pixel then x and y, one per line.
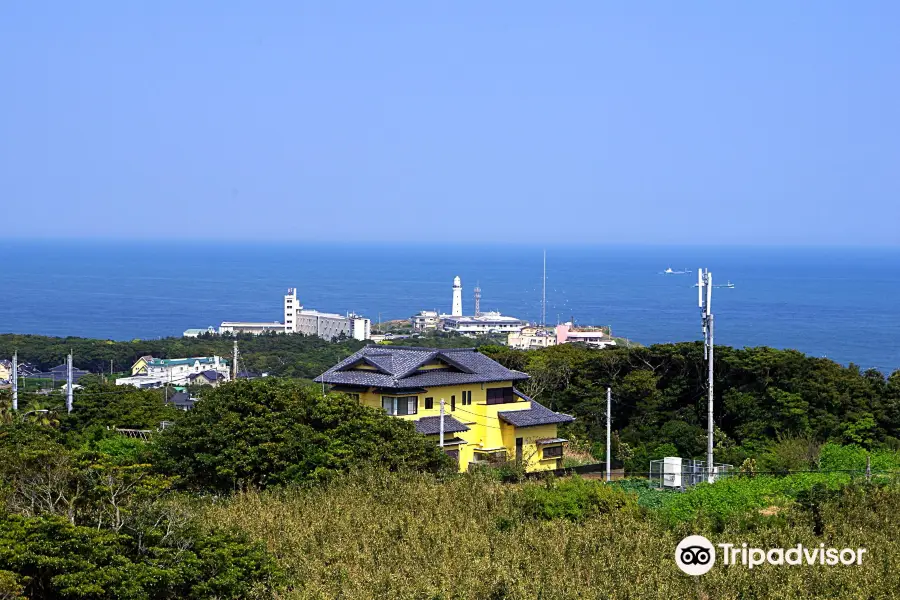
pixel 277 431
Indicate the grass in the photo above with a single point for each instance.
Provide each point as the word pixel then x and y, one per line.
pixel 379 535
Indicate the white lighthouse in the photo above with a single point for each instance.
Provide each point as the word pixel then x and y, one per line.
pixel 457 298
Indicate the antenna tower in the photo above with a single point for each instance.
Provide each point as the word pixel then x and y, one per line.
pixel 704 301
pixel 544 293
pixel 477 300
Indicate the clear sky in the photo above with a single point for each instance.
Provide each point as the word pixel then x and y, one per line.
pixel 593 121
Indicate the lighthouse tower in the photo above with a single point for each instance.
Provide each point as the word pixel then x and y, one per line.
pixel 457 298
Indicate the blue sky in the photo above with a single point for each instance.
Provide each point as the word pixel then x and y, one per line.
pixel 540 122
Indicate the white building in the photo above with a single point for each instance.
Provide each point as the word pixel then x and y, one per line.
pixel 489 322
pixel 324 325
pixel 425 320
pixel 456 308
pixel 531 337
pixel 176 371
pixel 198 332
pixel 249 327
pixel 567 333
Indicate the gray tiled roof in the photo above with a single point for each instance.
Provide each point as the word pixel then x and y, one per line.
pixel 538 414
pixel 432 425
pixel 465 365
pixel 182 400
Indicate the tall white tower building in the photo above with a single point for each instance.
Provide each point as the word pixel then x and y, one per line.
pixel 290 311
pixel 457 298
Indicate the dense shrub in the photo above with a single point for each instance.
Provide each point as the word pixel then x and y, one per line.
pixel 278 431
pixel 835 457
pixel 55 559
pixel 574 499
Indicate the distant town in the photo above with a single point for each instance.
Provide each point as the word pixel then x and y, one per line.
pixel 520 334
pixel 187 373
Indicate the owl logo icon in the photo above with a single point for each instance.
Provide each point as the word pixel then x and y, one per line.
pixel 695 555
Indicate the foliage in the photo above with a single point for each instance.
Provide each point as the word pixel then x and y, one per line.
pixel 575 499
pixel 102 405
pixel 276 431
pixel 834 457
pixel 762 395
pixel 361 536
pixel 56 559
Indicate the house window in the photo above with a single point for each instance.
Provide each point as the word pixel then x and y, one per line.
pixel 553 452
pixel 452 403
pixel 454 454
pixel 500 395
pixel 400 405
pixel 467 398
pixel 429 403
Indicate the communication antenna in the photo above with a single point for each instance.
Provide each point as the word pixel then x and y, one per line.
pixel 704 301
pixel 235 360
pixel 15 381
pixel 544 293
pixel 477 300
pixel 69 382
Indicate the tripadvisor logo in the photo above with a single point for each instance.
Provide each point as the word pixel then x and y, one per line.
pixel 696 555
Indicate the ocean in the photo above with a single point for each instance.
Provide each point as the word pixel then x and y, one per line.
pixel 835 302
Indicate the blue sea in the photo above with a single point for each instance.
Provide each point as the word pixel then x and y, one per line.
pixel 835 302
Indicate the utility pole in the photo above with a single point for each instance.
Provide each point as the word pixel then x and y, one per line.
pixel 15 381
pixel 544 293
pixel 441 442
pixel 608 431
pixel 235 360
pixel 704 301
pixel 69 383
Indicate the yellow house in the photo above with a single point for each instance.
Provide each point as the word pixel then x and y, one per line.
pixel 140 366
pixel 485 418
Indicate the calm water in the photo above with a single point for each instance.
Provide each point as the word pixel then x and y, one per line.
pixel 840 303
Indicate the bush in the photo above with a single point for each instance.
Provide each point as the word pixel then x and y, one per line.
pixel 55 559
pixel 574 499
pixel 277 431
pixel 853 458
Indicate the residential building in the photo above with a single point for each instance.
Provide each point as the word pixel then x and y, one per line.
pixel 233 327
pixel 208 377
pixel 486 418
pixel 57 373
pixel 532 337
pixel 329 326
pixel 192 333
pixel 488 322
pixel 597 337
pixel 176 371
pixel 426 320
pixel 182 401
pixel 24 369
pixel 140 365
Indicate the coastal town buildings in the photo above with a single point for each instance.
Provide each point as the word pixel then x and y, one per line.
pixel 192 333
pixel 532 337
pixel 329 326
pixel 486 419
pixel 481 323
pixel 426 320
pixel 149 372
pixel 234 327
pixel 598 337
